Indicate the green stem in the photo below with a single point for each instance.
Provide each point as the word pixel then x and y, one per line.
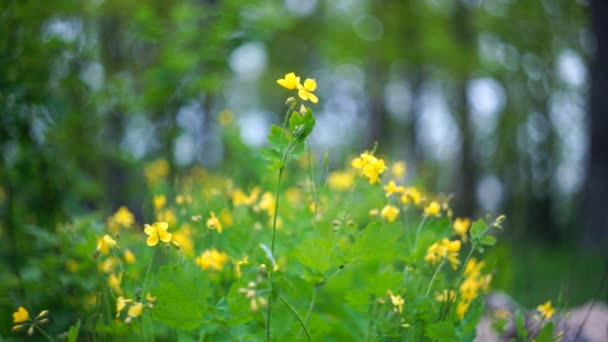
pixel 310 306
pixel 313 181
pixel 428 289
pixel 43 333
pixel 148 272
pixel 419 230
pixel 141 329
pixel 295 313
pixel 270 270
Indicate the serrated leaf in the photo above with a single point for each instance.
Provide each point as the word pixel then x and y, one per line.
pixel 182 297
pixel 314 254
pixel 73 332
pixel 377 241
pixel 278 140
pixel 546 333
pixel 478 229
pixel 487 240
pixel 441 331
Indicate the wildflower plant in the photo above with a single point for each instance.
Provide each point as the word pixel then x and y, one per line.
pixel 281 251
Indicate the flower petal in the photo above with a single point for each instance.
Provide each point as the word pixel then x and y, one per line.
pixel 152 240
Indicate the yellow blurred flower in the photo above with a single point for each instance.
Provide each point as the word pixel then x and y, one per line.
pixel 121 303
pixel 238 264
pixel 159 201
pixel 546 310
pixel 225 118
pixel 157 231
pixel 184 238
pixel 445 296
pixel 305 91
pixel 114 282
pixel 389 212
pixel 340 180
pixel 398 169
pixel 212 259
pixel 21 315
pixel 397 301
pixel 135 309
pixel 167 215
pixel 267 203
pixel 105 243
pixel 371 166
pixel 392 188
pixel 156 171
pixel 461 227
pixel 411 195
pixel 214 223
pixel 444 249
pixel 129 257
pixel 240 198
pixel 290 81
pixel 433 209
pixel 226 218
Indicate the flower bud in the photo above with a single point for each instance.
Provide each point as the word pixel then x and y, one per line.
pixel 30 331
pixel 17 327
pixel 43 314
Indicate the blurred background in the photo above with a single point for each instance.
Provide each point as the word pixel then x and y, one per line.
pixel 497 102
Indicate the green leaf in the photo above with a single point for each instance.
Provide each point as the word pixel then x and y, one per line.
pixel 182 297
pixel 546 333
pixel 441 331
pixel 73 332
pixel 278 140
pixel 478 229
pixel 314 254
pixel 488 240
pixel 377 241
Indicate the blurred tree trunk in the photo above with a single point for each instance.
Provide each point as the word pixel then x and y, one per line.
pixel 468 171
pixel 378 120
pixel 596 187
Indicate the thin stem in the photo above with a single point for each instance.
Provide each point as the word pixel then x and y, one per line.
pixel 141 329
pixel 428 289
pixel 148 271
pixel 310 306
pixel 276 209
pixel 43 333
pixel 419 230
pixel 313 180
pixel 295 313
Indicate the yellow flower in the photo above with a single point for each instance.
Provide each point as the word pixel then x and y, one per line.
pixel 411 195
pixel 157 231
pixel 433 209
pixel 291 81
pixel 237 265
pixel 159 201
pixel 305 91
pixel 392 188
pixel 105 243
pixel 135 309
pixel 124 217
pixel 473 268
pixel 240 198
pixel 397 301
pixel 389 212
pixel 226 218
pixel 213 259
pixel 214 223
pixel 121 303
pixel 461 227
pixel 462 308
pixel 114 282
pixel 445 296
pixel 444 249
pixel 184 238
pixel 267 202
pixel 21 315
pixel 156 171
pixel 129 257
pixel 340 180
pixel 398 169
pixel 371 166
pixel 167 215
pixel 108 264
pixel 546 310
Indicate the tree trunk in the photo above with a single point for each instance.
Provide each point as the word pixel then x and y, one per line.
pixel 596 187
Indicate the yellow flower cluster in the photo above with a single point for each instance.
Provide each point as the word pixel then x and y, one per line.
pixel 214 223
pixel 474 283
pixel 397 301
pixel 135 308
pixel 444 250
pixel 212 259
pixel 105 243
pixel 433 209
pixel 122 218
pixel 156 171
pixel 371 166
pixel 461 227
pixel 240 198
pixel 340 180
pixel 546 310
pixel 291 82
pixel 389 212
pixel 21 319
